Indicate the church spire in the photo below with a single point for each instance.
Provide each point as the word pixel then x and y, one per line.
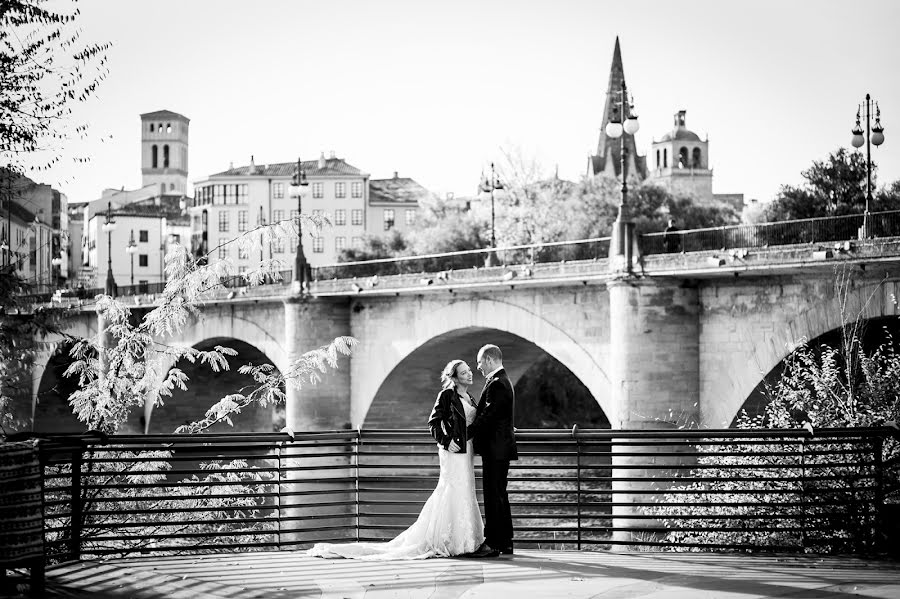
pixel 608 157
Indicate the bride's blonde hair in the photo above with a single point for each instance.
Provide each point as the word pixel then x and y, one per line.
pixel 449 373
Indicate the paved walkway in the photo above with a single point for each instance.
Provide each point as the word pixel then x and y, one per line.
pixel 528 574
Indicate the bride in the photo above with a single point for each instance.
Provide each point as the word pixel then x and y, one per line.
pixel 450 523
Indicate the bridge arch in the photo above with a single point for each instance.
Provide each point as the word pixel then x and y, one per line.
pixel 824 312
pixel 480 319
pixel 205 387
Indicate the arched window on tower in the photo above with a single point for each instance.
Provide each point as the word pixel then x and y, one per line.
pixel 683 158
pixel 657 159
pixel 665 157
pixel 166 156
pixel 168 127
pixel 151 127
pixel 155 158
pixel 696 161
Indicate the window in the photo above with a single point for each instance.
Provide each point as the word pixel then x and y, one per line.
pixel 665 157
pixel 318 245
pixel 658 164
pixel 143 236
pixel 356 216
pixel 294 240
pixel 696 158
pixel 317 190
pixel 155 155
pixel 142 259
pixel 151 127
pixel 242 193
pixel 277 190
pixel 340 217
pixel 278 245
pixel 223 249
pixel 166 156
pixel 223 221
pixel 683 158
pixel 410 216
pixel 340 190
pixel 340 243
pixel 318 213
pixel 357 243
pixel 277 216
pixel 242 270
pixel 242 221
pixel 242 252
pixel 388 219
pixel 356 189
pixel 218 194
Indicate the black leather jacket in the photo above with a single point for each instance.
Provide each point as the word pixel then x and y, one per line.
pixel 448 420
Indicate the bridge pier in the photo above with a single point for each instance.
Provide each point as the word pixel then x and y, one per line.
pixel 310 324
pixel 654 382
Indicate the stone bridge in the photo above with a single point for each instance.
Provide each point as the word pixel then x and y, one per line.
pixel 683 341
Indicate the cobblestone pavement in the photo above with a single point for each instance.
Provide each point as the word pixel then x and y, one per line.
pixel 528 574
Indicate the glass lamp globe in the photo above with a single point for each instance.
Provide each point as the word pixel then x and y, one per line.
pixel 614 130
pixel 877 134
pixel 632 125
pixel 857 140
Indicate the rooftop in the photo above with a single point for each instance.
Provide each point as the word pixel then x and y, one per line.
pixel 324 167
pixel 397 190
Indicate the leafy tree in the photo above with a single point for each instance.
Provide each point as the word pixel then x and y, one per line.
pixel 374 247
pixel 834 186
pixel 45 68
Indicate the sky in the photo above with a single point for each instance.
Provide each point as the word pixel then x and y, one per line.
pixel 436 90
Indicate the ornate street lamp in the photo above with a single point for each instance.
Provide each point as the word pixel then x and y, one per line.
pixel 623 228
pixel 490 186
pixel 131 248
pixel 108 227
pixel 302 270
pixel 874 135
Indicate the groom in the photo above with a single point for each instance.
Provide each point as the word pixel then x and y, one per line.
pixel 493 438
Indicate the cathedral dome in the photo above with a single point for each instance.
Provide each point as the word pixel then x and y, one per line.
pixel 680 132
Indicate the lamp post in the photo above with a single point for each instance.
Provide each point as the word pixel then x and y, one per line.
pixel 55 264
pixel 131 248
pixel 874 135
pixel 490 186
pixel 108 227
pixel 623 228
pixel 302 271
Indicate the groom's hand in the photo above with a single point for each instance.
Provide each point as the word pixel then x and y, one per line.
pixel 454 446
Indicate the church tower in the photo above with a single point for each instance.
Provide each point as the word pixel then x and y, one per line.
pixel 680 162
pixel 164 151
pixel 608 159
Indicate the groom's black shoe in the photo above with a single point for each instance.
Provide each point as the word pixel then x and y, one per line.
pixel 508 550
pixel 485 551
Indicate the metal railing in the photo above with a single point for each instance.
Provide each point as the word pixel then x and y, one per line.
pixel 830 229
pixel 751 490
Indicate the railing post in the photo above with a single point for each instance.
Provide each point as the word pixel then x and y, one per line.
pixel 356 447
pixel 577 481
pixel 77 505
pixel 278 492
pixel 878 499
pixel 803 506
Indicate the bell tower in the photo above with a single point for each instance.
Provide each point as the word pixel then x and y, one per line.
pixel 679 161
pixel 164 151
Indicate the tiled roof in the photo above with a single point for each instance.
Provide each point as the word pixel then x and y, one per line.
pixel 397 189
pixel 164 114
pixel 333 167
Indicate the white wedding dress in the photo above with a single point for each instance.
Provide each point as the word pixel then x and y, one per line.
pixel 449 524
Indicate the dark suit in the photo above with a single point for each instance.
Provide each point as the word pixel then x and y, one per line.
pixel 493 438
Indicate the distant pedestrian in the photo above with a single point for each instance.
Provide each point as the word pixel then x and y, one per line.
pixel 671 238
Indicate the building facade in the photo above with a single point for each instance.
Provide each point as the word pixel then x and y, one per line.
pixel 348 204
pixel 33 231
pixel 148 219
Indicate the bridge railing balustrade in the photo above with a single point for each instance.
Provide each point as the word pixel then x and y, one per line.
pixel 732 490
